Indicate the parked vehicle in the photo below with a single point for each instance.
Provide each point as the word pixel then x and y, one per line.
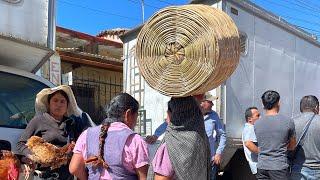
pixel 18 90
pixel 275 55
pixel 27 42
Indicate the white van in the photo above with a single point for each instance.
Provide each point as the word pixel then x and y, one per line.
pixel 18 91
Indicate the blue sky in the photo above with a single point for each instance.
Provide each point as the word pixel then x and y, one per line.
pixel 93 16
pixel 106 14
pixel 302 13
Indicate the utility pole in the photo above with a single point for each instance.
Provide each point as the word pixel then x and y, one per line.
pixel 142 9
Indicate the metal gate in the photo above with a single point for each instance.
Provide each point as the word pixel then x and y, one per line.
pixel 93 95
pixel 141 125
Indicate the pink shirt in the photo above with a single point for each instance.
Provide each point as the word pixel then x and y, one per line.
pixel 134 155
pixel 161 163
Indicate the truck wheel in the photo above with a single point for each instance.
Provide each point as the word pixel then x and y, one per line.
pixel 238 168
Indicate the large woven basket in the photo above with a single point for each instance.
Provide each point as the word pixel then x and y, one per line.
pixel 187 50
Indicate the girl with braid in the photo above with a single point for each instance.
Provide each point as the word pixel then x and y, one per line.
pixel 112 151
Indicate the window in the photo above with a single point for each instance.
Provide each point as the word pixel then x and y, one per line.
pixel 243 44
pixel 234 11
pixel 17 98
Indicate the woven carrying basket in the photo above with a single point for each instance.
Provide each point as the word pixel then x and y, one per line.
pixel 187 50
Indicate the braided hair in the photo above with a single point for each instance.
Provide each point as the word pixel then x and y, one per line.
pixel 115 113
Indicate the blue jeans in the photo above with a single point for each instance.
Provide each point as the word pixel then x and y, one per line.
pixel 306 174
pixel 213 172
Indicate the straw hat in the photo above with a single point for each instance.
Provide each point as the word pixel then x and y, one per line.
pixel 41 104
pixel 187 50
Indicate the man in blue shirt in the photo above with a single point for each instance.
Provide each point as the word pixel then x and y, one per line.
pixel 215 131
pixel 159 131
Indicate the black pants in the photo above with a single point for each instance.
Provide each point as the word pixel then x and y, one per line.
pixel 273 174
pixel 62 172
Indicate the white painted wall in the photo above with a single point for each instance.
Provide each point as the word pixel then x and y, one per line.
pixel 27 20
pixel 153 102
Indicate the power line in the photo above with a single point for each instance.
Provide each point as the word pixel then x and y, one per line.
pixel 166 2
pixel 303 6
pixel 98 10
pixel 307 5
pixel 302 20
pixel 297 20
pixel 287 7
pixel 155 7
pixel 307 22
pixel 317 31
pixel 316 5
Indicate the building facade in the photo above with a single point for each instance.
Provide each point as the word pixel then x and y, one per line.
pixel 92 66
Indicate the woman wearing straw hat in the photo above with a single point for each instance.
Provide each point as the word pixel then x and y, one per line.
pixel 112 150
pixel 184 153
pixel 53 108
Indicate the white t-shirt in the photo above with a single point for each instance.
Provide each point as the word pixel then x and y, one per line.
pixel 249 135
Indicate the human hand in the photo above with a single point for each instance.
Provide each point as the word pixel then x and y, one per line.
pixel 217 159
pixel 151 139
pixel 28 160
pixel 71 146
pixel 28 165
pixel 6 153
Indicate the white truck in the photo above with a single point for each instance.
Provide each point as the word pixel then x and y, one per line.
pixel 18 89
pixel 26 43
pixel 275 55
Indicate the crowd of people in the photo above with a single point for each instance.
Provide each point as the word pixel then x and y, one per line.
pixel 113 150
pixel 276 147
pixel 187 150
pixel 279 147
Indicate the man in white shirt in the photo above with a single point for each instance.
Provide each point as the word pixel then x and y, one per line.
pixel 249 138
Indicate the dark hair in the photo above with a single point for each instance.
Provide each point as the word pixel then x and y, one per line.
pixel 270 99
pixel 248 113
pixel 64 94
pixel 309 103
pixel 115 113
pixel 119 105
pixel 184 111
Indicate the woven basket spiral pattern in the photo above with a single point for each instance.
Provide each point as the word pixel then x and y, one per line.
pixel 187 50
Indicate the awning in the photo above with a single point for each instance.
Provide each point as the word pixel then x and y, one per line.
pixel 23 54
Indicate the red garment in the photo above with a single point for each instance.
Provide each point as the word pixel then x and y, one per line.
pixel 13 172
pixel 9 166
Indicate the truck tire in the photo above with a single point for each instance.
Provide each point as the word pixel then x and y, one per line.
pixel 238 168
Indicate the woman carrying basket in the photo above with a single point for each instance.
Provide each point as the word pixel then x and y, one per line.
pixel 184 153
